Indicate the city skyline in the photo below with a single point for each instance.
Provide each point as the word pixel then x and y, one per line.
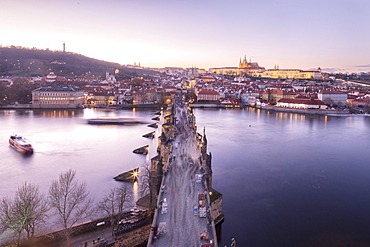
pixel 292 34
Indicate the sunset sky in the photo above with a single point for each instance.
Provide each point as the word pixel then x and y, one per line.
pixel 331 34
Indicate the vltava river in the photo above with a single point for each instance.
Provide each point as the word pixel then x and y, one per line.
pixel 63 140
pixel 290 179
pixel 287 179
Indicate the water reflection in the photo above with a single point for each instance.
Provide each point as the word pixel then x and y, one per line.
pixel 25 157
pixel 367 120
pixel 279 158
pixel 286 175
pixel 135 191
pixel 70 113
pixel 24 112
pixel 18 112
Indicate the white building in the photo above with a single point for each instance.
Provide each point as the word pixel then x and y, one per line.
pixel 249 98
pixel 208 95
pixel 57 97
pixel 299 103
pixel 333 97
pixel 110 78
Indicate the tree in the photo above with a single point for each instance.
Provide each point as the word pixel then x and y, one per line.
pixel 3 95
pixel 25 213
pixel 115 201
pixel 70 200
pixel 146 185
pixel 9 219
pixel 32 205
pixel 21 91
pixel 107 204
pixel 123 196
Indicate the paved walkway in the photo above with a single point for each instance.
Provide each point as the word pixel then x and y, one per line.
pixel 176 221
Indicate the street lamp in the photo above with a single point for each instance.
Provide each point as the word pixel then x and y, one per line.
pixel 134 175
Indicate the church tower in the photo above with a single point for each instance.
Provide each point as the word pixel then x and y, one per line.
pixel 243 63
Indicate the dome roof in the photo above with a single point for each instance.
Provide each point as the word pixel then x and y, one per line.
pixel 51 75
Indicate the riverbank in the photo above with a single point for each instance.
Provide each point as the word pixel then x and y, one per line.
pixel 130 106
pixel 142 106
pixel 215 105
pixel 304 111
pixel 17 106
pixel 104 231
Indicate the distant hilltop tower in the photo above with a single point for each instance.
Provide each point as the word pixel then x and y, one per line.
pixel 64 46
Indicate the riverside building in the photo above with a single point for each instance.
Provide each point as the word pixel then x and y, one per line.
pixel 57 97
pixel 333 97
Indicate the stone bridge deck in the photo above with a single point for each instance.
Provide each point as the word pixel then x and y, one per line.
pixel 183 214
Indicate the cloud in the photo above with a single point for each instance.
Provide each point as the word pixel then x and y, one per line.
pixel 362 66
pixel 350 69
pixel 332 70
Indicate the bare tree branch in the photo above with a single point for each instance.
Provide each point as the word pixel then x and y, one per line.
pixel 146 185
pixel 35 207
pixel 115 201
pixel 107 204
pixel 25 213
pixel 70 199
pixel 123 196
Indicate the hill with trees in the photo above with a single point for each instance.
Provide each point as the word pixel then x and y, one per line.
pixel 26 62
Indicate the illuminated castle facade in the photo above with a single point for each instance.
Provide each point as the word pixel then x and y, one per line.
pixel 290 74
pixel 253 69
pixel 243 64
pixel 245 68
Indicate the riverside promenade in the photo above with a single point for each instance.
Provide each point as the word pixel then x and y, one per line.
pixel 183 213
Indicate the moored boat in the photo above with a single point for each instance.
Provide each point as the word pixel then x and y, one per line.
pixel 20 144
pixel 114 120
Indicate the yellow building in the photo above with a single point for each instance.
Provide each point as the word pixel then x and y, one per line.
pixel 253 69
pixel 245 68
pixel 225 71
pixel 290 74
pixel 102 99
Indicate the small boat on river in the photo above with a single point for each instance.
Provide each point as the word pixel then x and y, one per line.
pixel 20 144
pixel 115 120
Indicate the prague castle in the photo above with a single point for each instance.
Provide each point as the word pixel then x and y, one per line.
pixel 253 69
pixel 245 68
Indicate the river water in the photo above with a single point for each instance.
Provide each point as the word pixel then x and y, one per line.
pixel 63 140
pixel 287 179
pixel 290 179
